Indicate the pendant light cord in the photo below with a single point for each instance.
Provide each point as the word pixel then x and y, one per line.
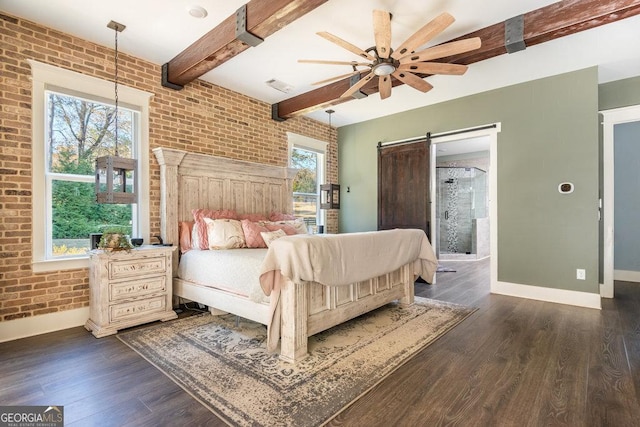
pixel 327 178
pixel 116 91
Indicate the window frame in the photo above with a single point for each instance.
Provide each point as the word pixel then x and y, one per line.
pixel 47 77
pixel 320 147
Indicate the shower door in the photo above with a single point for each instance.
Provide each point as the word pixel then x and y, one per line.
pixel 461 192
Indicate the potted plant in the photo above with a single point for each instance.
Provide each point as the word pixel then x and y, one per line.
pixel 115 239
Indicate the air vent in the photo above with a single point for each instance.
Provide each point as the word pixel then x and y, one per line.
pixel 278 85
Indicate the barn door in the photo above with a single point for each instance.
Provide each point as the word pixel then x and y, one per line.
pixel 403 186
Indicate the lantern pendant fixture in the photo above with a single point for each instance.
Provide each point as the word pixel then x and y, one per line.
pixel 116 176
pixel 329 193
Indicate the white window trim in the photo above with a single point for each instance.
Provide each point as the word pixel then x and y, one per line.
pixel 310 144
pixel 45 76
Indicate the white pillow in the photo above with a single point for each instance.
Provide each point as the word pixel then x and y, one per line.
pixel 195 237
pixel 224 233
pixel 270 236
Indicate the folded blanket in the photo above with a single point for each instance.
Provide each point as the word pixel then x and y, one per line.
pixel 341 259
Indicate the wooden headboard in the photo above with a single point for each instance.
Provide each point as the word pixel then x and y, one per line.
pixel 191 180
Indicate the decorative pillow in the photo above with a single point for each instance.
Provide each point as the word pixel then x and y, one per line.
pixel 200 228
pixel 280 216
pixel 297 224
pixel 252 232
pixel 270 236
pixel 185 229
pixel 195 237
pixel 224 233
pixel 254 217
pixel 288 230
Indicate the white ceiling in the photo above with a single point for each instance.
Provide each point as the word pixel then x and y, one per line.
pixel 157 30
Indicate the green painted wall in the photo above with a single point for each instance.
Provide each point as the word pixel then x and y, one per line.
pixel 621 93
pixel 549 135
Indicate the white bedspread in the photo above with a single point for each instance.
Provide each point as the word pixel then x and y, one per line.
pixel 340 259
pixel 234 270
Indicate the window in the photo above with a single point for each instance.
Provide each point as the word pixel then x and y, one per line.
pixel 77 131
pixel 71 128
pixel 308 156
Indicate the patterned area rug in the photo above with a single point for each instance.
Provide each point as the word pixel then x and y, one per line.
pixel 224 363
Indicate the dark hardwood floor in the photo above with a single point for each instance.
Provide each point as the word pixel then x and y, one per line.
pixel 514 362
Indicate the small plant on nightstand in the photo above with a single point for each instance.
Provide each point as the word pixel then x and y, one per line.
pixel 114 239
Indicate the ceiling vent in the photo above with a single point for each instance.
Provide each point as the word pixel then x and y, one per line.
pixel 278 85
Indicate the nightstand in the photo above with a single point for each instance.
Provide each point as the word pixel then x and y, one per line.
pixel 129 288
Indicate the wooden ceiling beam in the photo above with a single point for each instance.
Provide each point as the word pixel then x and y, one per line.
pixel 541 25
pixel 263 18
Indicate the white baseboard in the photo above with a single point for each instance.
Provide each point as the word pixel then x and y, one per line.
pixel 560 296
pixel 30 326
pixel 626 276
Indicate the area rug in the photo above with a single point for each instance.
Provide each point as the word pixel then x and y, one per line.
pixel 222 361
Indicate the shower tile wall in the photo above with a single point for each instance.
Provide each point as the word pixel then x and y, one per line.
pixel 456 234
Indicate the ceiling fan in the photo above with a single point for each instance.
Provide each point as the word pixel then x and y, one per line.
pixel 404 62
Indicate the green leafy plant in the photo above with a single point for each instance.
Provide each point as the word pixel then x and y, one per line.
pixel 115 239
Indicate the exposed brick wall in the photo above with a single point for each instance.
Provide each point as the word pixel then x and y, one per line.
pixel 202 118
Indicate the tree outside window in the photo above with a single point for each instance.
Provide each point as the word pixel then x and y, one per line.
pixel 305 184
pixel 77 132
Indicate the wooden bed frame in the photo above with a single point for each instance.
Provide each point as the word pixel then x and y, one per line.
pixel 190 180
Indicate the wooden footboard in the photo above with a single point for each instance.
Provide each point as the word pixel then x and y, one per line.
pixel 309 308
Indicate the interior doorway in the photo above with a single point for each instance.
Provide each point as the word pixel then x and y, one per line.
pixel 615 121
pixel 464 204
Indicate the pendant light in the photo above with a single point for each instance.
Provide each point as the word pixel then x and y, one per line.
pixel 112 185
pixel 329 193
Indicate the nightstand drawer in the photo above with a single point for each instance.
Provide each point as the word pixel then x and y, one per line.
pixel 124 311
pixel 137 288
pixel 136 267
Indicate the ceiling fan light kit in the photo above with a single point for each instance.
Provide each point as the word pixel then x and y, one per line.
pixel 384 69
pixel 404 63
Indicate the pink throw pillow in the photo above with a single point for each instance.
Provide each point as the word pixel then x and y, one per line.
pixel 184 231
pixel 252 235
pixel 289 230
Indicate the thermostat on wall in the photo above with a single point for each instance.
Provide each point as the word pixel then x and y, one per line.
pixel 565 188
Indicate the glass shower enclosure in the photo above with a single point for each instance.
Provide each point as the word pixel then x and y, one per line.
pixel 461 210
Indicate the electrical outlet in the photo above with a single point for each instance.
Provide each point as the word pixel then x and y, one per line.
pixel 581 274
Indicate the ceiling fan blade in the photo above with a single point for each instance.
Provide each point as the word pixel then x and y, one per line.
pixel 382 32
pixel 443 50
pixel 423 35
pixel 342 76
pixel 434 68
pixel 384 86
pixel 345 45
pixel 412 80
pixel 356 87
pixel 321 61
